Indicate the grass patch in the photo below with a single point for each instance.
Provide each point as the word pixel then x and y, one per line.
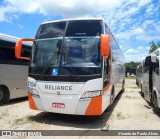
pixel 132 78
pixel 128 96
pixel 4 114
pixel 120 116
pixel 24 120
pixel 29 119
pixel 133 97
pixel 146 115
pixel 18 120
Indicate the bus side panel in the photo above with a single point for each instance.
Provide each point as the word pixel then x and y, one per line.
pixel 106 98
pixel 145 86
pixel 15 78
pixel 117 78
pixel 156 87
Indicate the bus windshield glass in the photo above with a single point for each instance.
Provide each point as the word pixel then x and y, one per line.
pixel 67 46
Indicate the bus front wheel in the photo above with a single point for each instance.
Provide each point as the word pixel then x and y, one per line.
pixel 4 95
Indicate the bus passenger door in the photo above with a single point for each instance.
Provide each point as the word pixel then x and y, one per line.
pixel 146 86
pixel 106 72
pixel 147 78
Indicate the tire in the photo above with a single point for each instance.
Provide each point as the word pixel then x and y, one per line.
pixel 112 96
pixel 155 103
pixel 4 95
pixel 109 108
pixel 123 86
pixel 142 94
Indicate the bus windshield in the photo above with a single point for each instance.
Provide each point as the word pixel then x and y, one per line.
pixel 67 46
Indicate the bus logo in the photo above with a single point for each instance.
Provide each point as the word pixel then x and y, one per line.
pixel 58 92
pixel 55 71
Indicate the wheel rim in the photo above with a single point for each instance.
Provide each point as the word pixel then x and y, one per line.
pixel 1 94
pixel 112 97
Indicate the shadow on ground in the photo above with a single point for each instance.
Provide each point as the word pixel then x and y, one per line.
pixel 15 101
pixel 150 106
pixel 90 122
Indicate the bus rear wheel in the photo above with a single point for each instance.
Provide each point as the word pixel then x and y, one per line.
pixel 112 96
pixel 123 86
pixel 4 95
pixel 111 100
pixel 141 92
pixel 155 103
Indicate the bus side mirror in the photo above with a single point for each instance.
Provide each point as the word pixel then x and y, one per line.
pixel 153 58
pixel 18 48
pixel 104 44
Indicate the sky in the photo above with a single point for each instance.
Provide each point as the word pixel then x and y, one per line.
pixel 134 23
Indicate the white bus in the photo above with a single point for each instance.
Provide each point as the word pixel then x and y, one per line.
pixel 76 67
pixel 13 71
pixel 151 79
pixel 139 74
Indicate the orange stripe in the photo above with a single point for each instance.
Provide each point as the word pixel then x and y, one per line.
pixel 32 104
pixel 95 106
pixel 105 88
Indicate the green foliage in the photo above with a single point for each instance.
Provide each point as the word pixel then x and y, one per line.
pixel 132 64
pixel 153 46
pixel 158 44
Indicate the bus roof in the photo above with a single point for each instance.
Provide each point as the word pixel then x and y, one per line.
pixel 157 52
pixel 73 19
pixel 9 38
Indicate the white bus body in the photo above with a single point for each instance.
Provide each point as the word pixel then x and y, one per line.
pixel 151 79
pixel 13 72
pixel 139 74
pixel 67 72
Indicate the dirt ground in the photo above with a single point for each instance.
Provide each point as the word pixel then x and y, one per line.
pixel 129 112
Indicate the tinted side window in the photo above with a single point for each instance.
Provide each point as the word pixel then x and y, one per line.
pixel 106 29
pixel 117 55
pixel 106 72
pixel 157 67
pixel 26 51
pixel 147 64
pixel 7 54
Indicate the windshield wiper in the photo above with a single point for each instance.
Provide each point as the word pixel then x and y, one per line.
pixel 55 55
pixel 67 54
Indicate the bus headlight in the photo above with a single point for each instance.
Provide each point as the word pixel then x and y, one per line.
pixel 34 92
pixel 91 94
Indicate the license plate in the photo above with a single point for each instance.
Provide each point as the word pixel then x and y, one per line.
pixel 58 105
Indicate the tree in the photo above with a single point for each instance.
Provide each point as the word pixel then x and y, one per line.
pixel 132 64
pixel 153 47
pixel 158 44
